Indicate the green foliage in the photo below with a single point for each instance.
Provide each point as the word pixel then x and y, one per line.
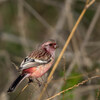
pixel 69 83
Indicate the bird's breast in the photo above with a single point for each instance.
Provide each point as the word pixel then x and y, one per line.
pixel 41 70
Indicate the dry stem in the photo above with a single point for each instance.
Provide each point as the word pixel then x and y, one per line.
pixel 66 45
pixel 76 85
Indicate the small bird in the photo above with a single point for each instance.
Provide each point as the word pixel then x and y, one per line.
pixel 36 64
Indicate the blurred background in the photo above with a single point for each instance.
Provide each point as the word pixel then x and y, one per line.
pixel 25 24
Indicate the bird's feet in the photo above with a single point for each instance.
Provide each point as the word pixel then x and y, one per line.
pixel 39 83
pixel 30 80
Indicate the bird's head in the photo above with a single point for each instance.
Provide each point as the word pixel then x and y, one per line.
pixel 50 46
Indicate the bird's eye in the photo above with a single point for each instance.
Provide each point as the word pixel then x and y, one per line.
pixel 50 44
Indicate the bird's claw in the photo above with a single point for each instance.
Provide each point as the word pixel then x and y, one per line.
pixel 30 80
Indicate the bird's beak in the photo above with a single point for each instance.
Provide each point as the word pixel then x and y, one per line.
pixel 56 46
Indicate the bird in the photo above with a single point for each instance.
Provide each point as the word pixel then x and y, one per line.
pixel 36 64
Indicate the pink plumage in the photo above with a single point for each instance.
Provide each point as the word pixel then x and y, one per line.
pixel 36 63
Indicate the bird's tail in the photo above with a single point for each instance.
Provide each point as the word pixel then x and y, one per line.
pixel 17 82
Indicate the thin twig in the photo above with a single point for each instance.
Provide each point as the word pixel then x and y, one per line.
pixel 37 15
pixel 51 3
pixel 63 50
pixel 89 4
pixel 76 85
pixel 64 79
pixel 21 25
pixel 16 67
pixel 91 27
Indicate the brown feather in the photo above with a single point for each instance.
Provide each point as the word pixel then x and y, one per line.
pixel 40 54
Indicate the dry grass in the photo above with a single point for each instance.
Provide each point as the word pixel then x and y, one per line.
pixel 88 4
pixel 76 85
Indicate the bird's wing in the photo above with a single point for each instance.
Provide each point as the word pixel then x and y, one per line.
pixel 36 58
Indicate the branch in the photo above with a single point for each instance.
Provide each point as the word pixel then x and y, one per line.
pixel 76 85
pixel 64 48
